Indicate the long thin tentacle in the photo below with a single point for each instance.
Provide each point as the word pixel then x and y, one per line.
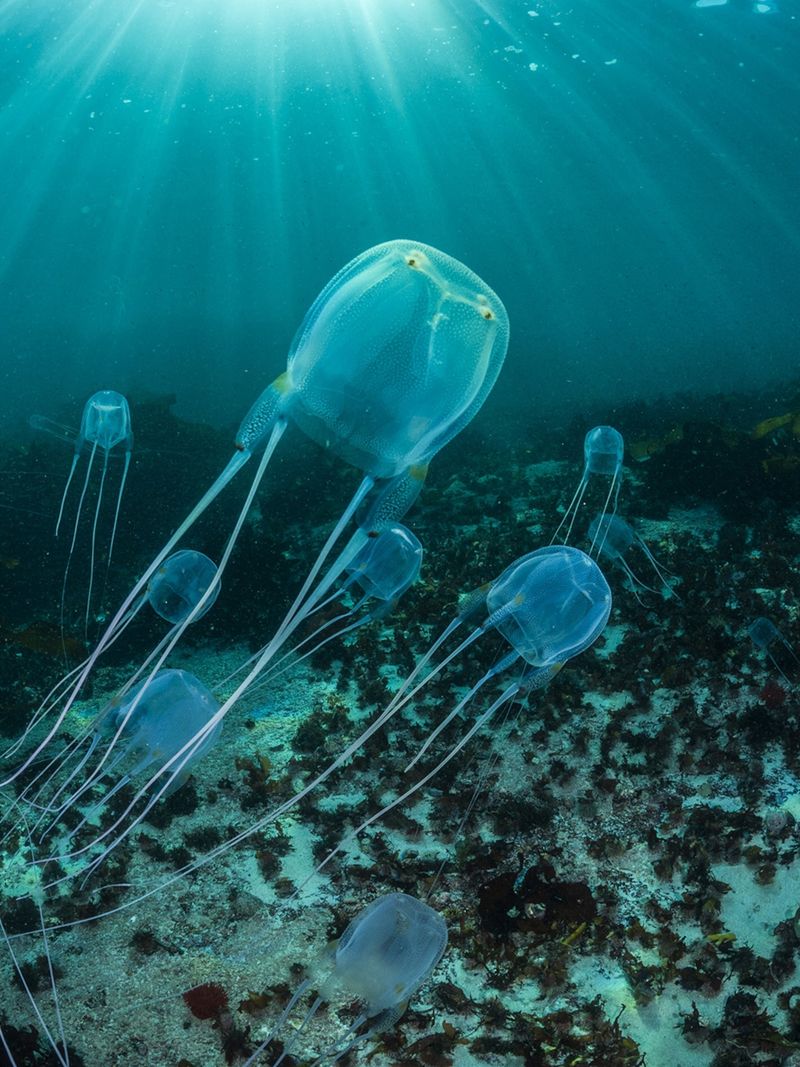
pixel 251 659
pixel 276 1029
pixel 289 1045
pixel 66 490
pixel 635 580
pixel 94 544
pixel 607 525
pixel 276 670
pixel 778 668
pixel 505 696
pixel 116 510
pixel 486 770
pixel 72 546
pixel 61 1053
pixel 357 1042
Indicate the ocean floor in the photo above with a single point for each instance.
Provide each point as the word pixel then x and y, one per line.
pixel 615 856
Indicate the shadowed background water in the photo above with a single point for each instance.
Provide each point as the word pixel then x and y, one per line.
pixel 179 180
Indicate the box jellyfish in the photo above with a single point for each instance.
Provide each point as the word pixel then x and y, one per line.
pixel 387 565
pixel 548 606
pixel 385 954
pixel 106 423
pixel 614 537
pixel 603 451
pixel 144 730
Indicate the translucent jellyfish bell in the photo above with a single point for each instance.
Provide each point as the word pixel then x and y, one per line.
pixel 106 423
pixel 395 356
pixel 389 950
pixel 106 419
pixel 603 452
pixel 153 722
pixel 550 605
pixel 388 564
pixel 178 586
pixel 157 717
pixel 383 957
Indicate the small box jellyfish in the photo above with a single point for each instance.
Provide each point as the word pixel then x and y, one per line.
pixel 603 451
pixel 145 729
pixel 383 957
pixel 765 635
pixel 395 356
pixel 106 423
pixel 386 566
pixel 613 537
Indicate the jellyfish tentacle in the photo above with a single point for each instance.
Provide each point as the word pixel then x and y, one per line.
pixel 605 524
pixel 273 672
pixel 482 719
pixel 66 489
pixel 276 1029
pixel 779 669
pixel 504 663
pixel 236 462
pixel 309 1015
pixel 575 504
pixel 94 544
pixel 72 546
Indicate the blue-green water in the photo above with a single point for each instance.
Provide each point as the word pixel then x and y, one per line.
pixel 180 179
pixel 615 853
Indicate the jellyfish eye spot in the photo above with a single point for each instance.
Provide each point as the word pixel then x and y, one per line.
pixel 372 533
pixel 487 314
pixel 412 262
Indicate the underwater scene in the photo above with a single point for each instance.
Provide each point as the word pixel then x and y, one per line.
pixel 399 533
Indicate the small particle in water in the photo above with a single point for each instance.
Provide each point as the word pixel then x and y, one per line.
pixel 127 100
pixel 533 66
pixel 710 3
pixel 511 48
pixel 610 62
pixel 533 14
